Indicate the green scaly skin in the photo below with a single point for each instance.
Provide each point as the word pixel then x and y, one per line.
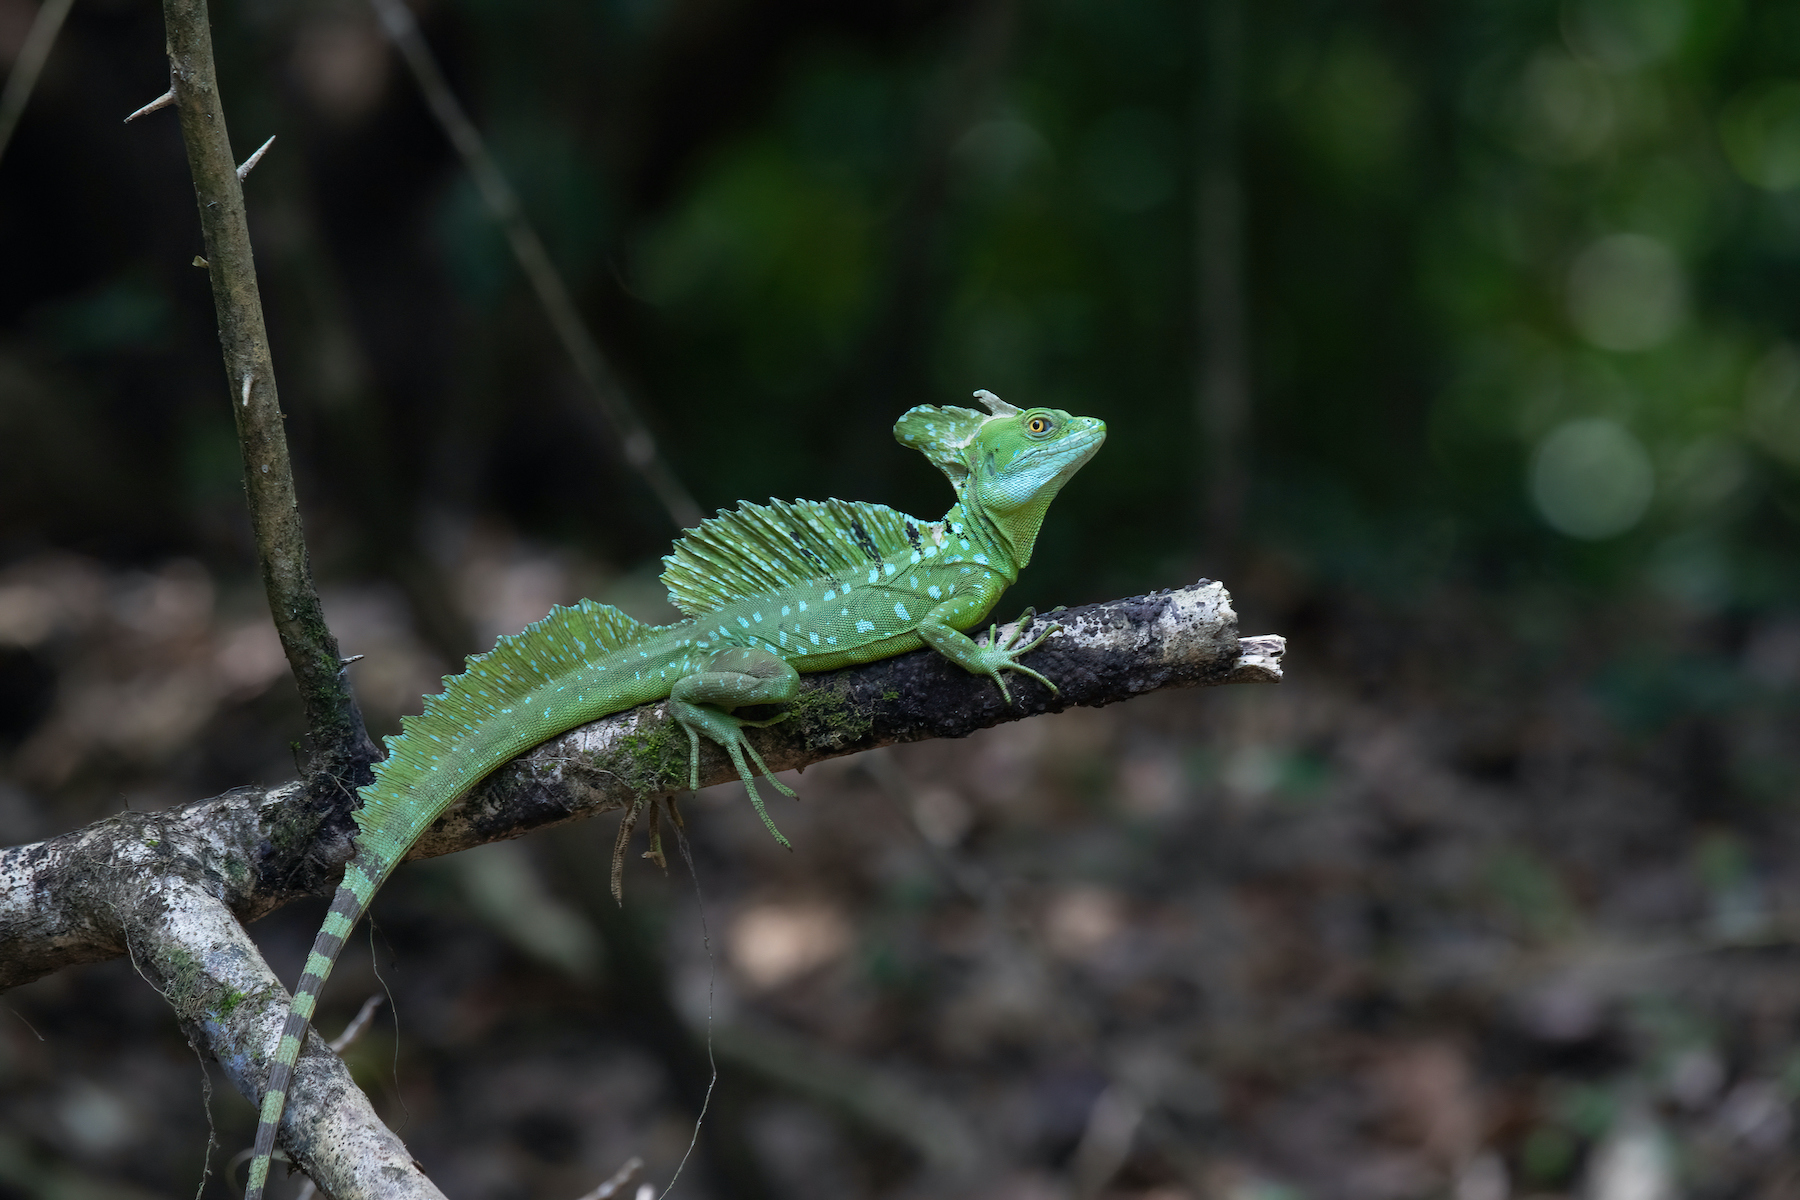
pixel 771 591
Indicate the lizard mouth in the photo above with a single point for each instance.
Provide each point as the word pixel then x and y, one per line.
pixel 1080 443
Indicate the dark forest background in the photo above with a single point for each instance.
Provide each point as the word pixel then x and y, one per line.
pixel 1460 340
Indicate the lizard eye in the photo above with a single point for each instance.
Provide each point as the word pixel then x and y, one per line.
pixel 1038 426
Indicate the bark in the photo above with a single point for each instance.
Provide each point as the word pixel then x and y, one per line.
pixel 173 888
pixel 255 849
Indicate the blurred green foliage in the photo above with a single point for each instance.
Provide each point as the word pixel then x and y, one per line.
pixel 1517 276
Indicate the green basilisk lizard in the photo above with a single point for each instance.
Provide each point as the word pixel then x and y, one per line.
pixel 770 591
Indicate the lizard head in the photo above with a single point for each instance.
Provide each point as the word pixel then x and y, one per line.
pixel 1006 464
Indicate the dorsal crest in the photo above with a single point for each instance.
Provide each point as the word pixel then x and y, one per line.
pixel 760 549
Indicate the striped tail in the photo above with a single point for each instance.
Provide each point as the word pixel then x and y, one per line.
pixel 361 878
pixel 464 733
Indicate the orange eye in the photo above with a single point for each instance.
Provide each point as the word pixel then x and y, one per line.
pixel 1038 425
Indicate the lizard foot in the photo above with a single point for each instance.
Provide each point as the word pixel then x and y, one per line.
pixel 728 731
pixel 1003 656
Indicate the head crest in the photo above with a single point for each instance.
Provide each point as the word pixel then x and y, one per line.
pixel 943 434
pixel 995 404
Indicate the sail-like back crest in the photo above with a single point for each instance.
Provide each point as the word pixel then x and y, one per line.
pixel 760 549
pixel 492 684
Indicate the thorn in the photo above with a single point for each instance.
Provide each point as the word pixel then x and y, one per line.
pixel 162 101
pixel 357 1024
pixel 622 1179
pixel 248 380
pixel 250 163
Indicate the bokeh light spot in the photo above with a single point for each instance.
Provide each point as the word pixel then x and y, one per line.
pixel 1591 479
pixel 1626 293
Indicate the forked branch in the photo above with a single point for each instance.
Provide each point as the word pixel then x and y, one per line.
pixel 166 886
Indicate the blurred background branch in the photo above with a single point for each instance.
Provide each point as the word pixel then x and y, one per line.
pixel 635 441
pixel 1221 345
pixel 28 65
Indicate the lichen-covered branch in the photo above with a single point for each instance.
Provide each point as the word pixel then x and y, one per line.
pixel 172 888
pixel 339 746
pixel 190 948
pixel 260 848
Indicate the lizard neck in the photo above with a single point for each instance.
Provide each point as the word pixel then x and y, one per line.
pixel 990 538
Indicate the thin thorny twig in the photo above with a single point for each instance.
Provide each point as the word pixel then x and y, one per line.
pixel 637 444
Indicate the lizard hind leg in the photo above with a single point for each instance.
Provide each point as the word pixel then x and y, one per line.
pixel 732 679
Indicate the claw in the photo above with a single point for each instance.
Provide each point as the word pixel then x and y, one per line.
pixel 727 730
pixel 1039 640
pixel 1019 628
pixel 762 766
pixel 1009 650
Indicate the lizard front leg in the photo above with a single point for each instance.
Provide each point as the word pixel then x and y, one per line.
pixel 731 679
pixel 941 630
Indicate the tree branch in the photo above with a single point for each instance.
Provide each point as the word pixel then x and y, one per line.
pixel 189 947
pixel 340 748
pixel 27 66
pixel 257 848
pixel 171 888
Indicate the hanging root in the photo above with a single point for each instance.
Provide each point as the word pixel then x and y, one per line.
pixel 627 822
pixel 655 852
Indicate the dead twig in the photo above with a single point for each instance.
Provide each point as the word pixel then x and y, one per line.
pixel 357 1025
pixel 621 1179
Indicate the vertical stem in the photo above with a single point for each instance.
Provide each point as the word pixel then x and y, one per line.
pixel 340 746
pixel 1222 370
